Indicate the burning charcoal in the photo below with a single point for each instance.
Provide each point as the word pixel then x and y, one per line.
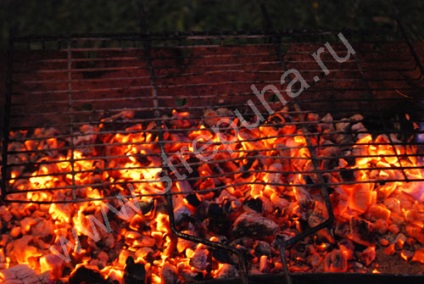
pixel 407 254
pixel 214 210
pixel 359 127
pixel 85 275
pixel 347 174
pixel 415 232
pixel 390 249
pixel 5 214
pixel 251 159
pixel 193 200
pixel 181 120
pixel 134 273
pixel 145 241
pixel 358 267
pixel 328 149
pixel 181 214
pixel 378 212
pixel 263 264
pixel 187 273
pixel 123 115
pixel 308 179
pixel 55 263
pixel 312 117
pixel 262 248
pixel 278 202
pixel 303 196
pixel 356 117
pixel 315 260
pixel 169 274
pixel 22 274
pixel 26 224
pixel 146 207
pixel 343 139
pixel 21 249
pixel 210 118
pixel 347 247
pixel 400 241
pixel 220 117
pixel 103 257
pixel 361 198
pixel 226 271
pixel 224 256
pixel 138 223
pixel 127 210
pixel 218 219
pixel 135 239
pixel 327 121
pixel 320 215
pixel 367 256
pixel 335 261
pixel 184 187
pixel 15 232
pixel 43 228
pixel 145 253
pixel 85 135
pixel 117 121
pixel 343 125
pixel 231 205
pixel 199 260
pixel 254 225
pixel 361 232
pixel 183 244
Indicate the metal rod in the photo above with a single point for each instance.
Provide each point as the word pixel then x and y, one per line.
pixel 71 117
pixel 6 127
pixel 283 258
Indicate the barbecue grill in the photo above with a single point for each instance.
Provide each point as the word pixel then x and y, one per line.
pixel 69 98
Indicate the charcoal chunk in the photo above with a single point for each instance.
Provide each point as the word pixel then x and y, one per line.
pixel 146 207
pixel 224 256
pixel 255 204
pixel 135 273
pixel 254 225
pixel 347 174
pixel 262 248
pixel 193 200
pixel 86 275
pixel 215 211
pixel 362 232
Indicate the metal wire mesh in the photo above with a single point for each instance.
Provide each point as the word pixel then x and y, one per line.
pixel 85 81
pixel 71 98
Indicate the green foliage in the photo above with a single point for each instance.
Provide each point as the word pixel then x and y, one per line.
pixel 52 17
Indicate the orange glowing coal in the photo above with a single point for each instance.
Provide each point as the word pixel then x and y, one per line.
pixel 241 188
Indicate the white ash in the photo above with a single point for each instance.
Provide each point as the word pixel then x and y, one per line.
pixel 253 224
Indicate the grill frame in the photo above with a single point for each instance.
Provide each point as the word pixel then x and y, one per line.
pixel 155 89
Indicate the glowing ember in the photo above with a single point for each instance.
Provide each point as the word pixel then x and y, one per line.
pixel 247 185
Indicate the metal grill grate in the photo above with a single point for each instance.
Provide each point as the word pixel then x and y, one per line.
pixel 66 83
pixel 70 98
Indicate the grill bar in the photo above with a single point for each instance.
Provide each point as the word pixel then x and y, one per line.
pixel 6 127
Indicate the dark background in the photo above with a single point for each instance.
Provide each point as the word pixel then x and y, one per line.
pixel 54 17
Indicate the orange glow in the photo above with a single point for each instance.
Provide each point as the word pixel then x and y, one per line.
pixel 269 166
pixel 418 256
pixel 113 273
